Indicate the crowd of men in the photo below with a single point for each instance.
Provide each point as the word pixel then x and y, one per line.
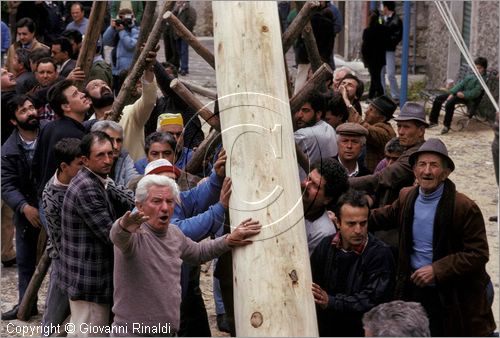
pixel 387 231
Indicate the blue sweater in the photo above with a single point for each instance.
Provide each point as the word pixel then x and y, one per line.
pixel 423 227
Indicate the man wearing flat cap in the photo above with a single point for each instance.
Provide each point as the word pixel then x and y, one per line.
pixel 351 137
pixel 385 185
pixel 380 131
pixel 443 248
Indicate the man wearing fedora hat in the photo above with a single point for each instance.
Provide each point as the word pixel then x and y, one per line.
pixel 385 185
pixel 380 131
pixel 443 247
pixel 351 137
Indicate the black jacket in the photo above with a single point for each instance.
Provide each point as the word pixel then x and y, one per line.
pixel 394 32
pixel 366 281
pixel 18 186
pixel 44 165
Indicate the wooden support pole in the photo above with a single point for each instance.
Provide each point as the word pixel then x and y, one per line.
pixel 191 100
pixel 146 27
pixel 316 83
pixel 311 47
pixel 187 36
pixel 297 25
pixel 210 142
pixel 31 292
pixel 272 276
pixel 138 68
pixel 87 51
pixel 200 89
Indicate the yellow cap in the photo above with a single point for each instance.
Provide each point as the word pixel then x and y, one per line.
pixel 169 119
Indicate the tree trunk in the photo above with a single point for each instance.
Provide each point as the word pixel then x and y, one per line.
pixel 186 35
pixel 87 51
pixel 138 68
pixel 272 277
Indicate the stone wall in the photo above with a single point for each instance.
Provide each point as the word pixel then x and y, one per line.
pixel 436 37
pixel 484 35
pixel 204 25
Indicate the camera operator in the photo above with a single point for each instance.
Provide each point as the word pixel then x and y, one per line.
pixel 122 34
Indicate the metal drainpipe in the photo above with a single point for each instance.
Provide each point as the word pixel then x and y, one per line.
pixel 404 57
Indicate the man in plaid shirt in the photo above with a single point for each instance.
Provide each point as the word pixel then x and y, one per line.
pixel 86 251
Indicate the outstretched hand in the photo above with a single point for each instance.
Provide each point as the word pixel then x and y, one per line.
pixel 132 221
pixel 247 228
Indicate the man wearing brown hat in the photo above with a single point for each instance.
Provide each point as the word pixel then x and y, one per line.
pixel 443 247
pixel 351 137
pixel 380 131
pixel 386 184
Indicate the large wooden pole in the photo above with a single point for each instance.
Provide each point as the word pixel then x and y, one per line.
pixel 272 277
pixel 138 68
pixel 210 142
pixel 87 51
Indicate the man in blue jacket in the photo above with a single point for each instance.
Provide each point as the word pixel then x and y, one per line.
pixel 121 34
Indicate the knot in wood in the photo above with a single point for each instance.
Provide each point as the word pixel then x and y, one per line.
pixel 265 29
pixel 293 276
pixel 256 319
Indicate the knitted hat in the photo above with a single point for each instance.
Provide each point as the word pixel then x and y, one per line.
pixel 161 166
pixel 168 119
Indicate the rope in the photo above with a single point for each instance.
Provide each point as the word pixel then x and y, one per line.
pixel 457 36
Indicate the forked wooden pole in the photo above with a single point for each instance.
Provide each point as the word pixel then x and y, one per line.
pixel 186 35
pixel 138 68
pixel 297 25
pixel 206 147
pixel 191 100
pixel 311 47
pixel 316 83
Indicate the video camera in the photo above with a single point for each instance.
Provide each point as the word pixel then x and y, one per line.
pixel 127 21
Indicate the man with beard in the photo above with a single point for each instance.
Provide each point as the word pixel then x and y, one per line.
pixel 315 137
pixel 135 115
pixel 325 183
pixel 86 255
pixel 18 191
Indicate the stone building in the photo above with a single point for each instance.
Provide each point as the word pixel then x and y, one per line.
pixel 432 50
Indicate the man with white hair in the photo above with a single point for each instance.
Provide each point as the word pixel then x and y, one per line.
pixel 148 252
